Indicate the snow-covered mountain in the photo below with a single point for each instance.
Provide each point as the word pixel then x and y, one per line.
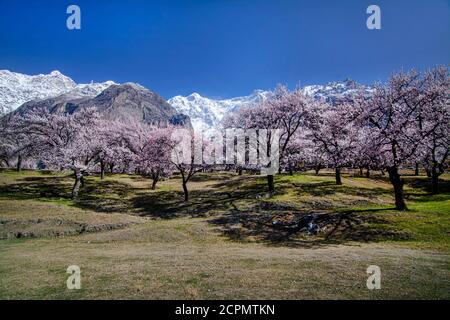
pixel 206 113
pixel 336 91
pixel 17 88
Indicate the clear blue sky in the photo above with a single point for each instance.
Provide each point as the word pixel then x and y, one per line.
pixel 223 48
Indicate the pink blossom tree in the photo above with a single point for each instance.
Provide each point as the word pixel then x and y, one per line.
pixel 285 110
pixel 150 149
pixel 261 118
pixel 6 143
pixel 152 153
pixel 368 155
pixel 110 146
pixel 395 115
pixel 187 150
pixel 433 122
pixel 15 142
pixel 64 141
pixel 333 130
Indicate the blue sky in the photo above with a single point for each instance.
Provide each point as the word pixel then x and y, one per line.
pixel 223 48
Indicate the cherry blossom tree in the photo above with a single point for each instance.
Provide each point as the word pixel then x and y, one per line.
pixel 289 111
pixel 153 154
pixel 294 155
pixel 6 143
pixel 187 151
pixel 434 124
pixel 303 152
pixel 285 111
pixel 150 149
pixel 333 129
pixel 395 115
pixel 110 146
pixel 262 119
pixel 15 142
pixel 63 141
pixel 368 155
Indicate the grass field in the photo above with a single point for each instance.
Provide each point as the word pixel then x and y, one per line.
pixel 230 241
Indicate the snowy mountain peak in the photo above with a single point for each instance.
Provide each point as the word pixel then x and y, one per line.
pixel 206 113
pixel 17 88
pixel 335 91
pixel 195 95
pixel 57 74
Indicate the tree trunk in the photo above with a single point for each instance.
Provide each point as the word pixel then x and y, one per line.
pixel 291 172
pixel 111 168
pixel 397 183
pixel 186 192
pixel 338 176
pixel 434 179
pixel 77 185
pixel 368 172
pixel 317 169
pixel 416 171
pixel 240 171
pixel 82 181
pixel 155 180
pixel 19 163
pixel 382 172
pixel 428 173
pixel 270 183
pixel 435 183
pixel 102 170
pixel 361 171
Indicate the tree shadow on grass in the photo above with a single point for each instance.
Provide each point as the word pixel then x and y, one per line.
pixel 283 227
pixel 421 186
pixel 170 204
pixel 321 189
pixel 100 196
pixel 237 207
pixel 105 196
pixel 52 188
pixel 239 212
pixel 222 176
pixel 424 184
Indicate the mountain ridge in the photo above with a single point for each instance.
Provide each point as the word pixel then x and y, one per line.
pixel 18 88
pixel 127 103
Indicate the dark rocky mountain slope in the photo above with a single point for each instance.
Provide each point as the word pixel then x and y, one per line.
pixel 124 102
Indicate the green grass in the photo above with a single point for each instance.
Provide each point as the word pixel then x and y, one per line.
pixel 230 241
